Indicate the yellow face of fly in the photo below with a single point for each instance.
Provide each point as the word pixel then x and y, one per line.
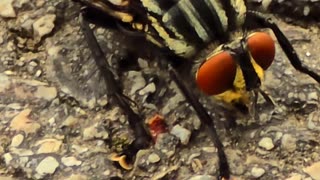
pixel 239 94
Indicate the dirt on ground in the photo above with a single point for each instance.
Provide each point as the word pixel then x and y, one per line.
pixel 56 121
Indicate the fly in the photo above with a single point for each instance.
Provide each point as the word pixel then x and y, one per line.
pixel 184 28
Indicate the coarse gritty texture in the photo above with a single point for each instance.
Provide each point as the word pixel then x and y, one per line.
pixel 53 108
pixel 306 10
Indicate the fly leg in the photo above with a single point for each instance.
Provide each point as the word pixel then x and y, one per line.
pixel 142 138
pixel 254 105
pixel 267 97
pixel 286 46
pixel 224 171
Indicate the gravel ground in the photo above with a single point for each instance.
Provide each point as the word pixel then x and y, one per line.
pixel 56 122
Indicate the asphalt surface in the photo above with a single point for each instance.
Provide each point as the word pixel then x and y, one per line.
pixel 57 123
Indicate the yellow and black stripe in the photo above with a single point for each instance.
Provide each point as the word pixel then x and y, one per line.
pixel 182 26
pixel 186 25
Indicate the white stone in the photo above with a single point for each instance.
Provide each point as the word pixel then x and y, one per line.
pixel 150 88
pixel 92 132
pixel 21 152
pixel 153 158
pixel 209 149
pixel 48 146
pixel 47 93
pixel 313 170
pixel 107 172
pixel 77 177
pixel 44 25
pixel 22 122
pixel 202 177
pixel 23 160
pixel 47 166
pixel 79 149
pixel 295 177
pixel 139 81
pixel 17 140
pixel 257 172
pixel 173 103
pixel 288 143
pixel 313 96
pixel 52 121
pixel 266 143
pixel 182 133
pixel 70 121
pixel 7 158
pixel 6 9
pixel 143 63
pixel 70 161
pixel 4 82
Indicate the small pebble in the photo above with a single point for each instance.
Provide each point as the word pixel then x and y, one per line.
pixel 314 121
pixel 103 101
pixel 288 143
pixel 173 103
pixel 4 82
pixel 306 11
pixel 166 143
pixel 47 93
pixel 257 172
pixel 313 170
pixel 313 96
pixel 38 73
pixel 47 166
pixel 150 88
pixel 7 158
pixel 40 3
pixel 23 160
pixel 77 177
pixel 302 96
pixel 106 172
pixel 22 152
pixel 153 158
pixel 295 177
pixel 6 9
pixel 288 72
pixel 92 132
pixel 266 143
pixel 182 133
pixel 202 177
pixel 79 149
pixel 69 121
pixel 278 136
pixel 17 140
pixel 48 146
pixel 44 25
pixel 209 149
pixel 139 81
pixel 52 121
pixel 70 161
pixel 22 122
pixel 196 165
pixel 33 64
pixel 143 63
pixel 192 156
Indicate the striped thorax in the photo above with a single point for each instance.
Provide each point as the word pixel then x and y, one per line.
pixel 185 26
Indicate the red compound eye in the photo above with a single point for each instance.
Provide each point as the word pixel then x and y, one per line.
pixel 217 74
pixel 262 48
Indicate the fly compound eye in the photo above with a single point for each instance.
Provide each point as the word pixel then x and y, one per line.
pixel 216 74
pixel 262 48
